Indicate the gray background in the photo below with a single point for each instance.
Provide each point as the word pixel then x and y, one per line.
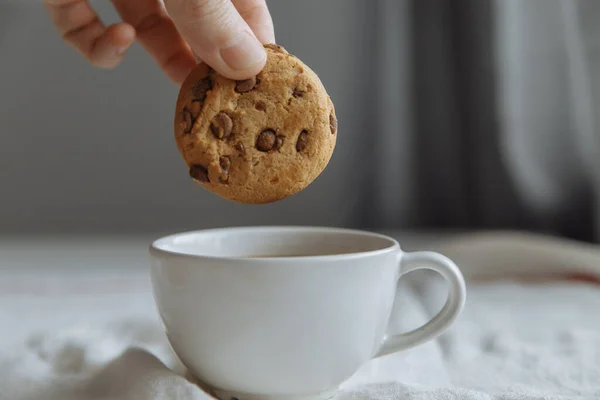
pixel 454 114
pixel 88 150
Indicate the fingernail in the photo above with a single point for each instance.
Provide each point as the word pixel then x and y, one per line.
pixel 245 53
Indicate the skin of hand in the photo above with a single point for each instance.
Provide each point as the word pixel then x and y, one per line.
pixel 226 34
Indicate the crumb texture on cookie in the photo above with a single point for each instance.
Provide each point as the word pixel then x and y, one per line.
pixel 258 140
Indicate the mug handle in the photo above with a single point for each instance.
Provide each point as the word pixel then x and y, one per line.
pixel 451 310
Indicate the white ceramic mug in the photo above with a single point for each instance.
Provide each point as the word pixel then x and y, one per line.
pixel 286 312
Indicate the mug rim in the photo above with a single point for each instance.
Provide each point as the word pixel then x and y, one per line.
pixel 393 244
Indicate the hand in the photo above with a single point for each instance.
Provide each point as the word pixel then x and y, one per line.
pixel 225 34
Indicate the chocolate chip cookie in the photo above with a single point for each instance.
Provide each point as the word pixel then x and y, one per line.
pixel 258 140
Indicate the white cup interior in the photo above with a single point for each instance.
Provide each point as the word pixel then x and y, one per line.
pixel 280 242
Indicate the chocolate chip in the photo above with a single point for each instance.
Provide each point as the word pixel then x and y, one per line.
pixel 302 141
pixel 333 124
pixel 188 120
pixel 260 105
pixel 199 173
pixel 239 146
pixel 266 140
pixel 221 125
pixel 297 93
pixel 225 163
pixel 201 87
pixel 245 85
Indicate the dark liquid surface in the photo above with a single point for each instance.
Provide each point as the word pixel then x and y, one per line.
pixel 291 255
pixel 278 255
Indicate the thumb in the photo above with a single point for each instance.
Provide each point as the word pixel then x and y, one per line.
pixel 219 36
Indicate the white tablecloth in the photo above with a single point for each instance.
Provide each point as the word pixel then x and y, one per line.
pixel 77 322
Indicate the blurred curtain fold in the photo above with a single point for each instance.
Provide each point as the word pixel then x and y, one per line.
pixel 491 103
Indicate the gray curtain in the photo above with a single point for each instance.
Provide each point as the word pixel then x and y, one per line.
pixel 454 114
pixel 496 123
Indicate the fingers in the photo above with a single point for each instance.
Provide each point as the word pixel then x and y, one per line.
pixel 217 33
pixel 227 34
pixel 80 26
pixel 157 33
pixel 257 16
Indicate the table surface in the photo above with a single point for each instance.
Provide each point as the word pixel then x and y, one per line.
pixel 526 338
